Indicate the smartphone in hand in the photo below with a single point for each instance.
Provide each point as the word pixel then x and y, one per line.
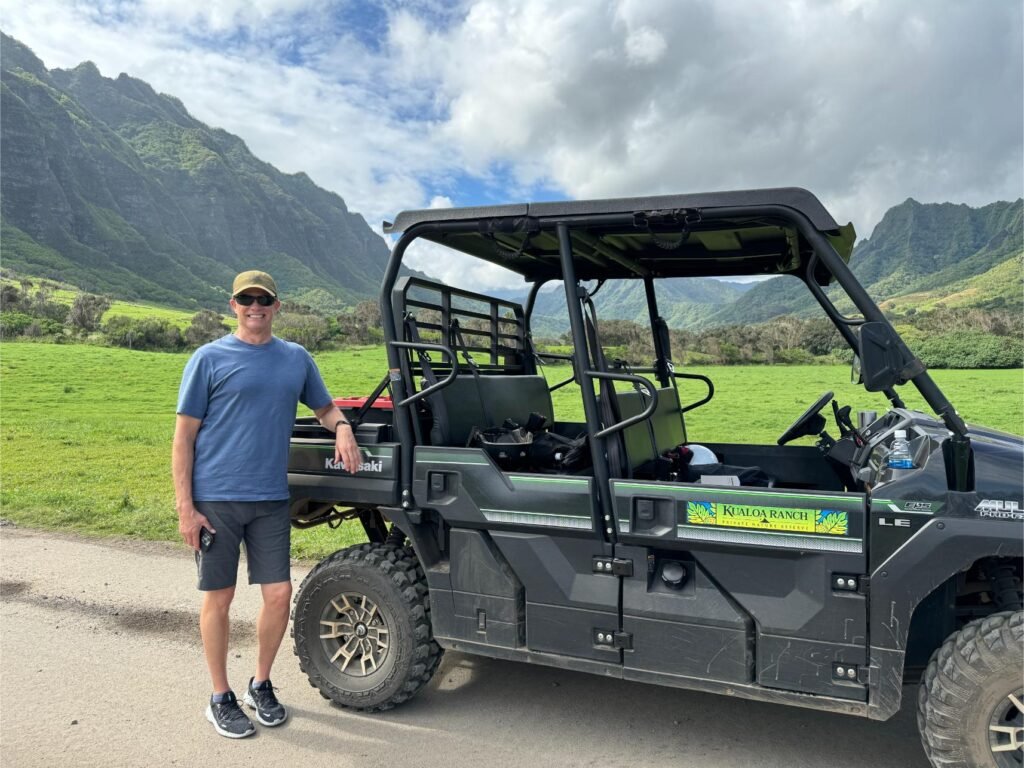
pixel 205 539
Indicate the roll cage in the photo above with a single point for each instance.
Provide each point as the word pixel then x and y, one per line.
pixel 756 232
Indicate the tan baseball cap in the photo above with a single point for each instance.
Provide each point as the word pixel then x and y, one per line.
pixel 254 279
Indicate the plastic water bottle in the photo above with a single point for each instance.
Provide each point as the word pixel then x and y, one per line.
pixel 899 455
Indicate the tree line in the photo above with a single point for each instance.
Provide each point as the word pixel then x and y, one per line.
pixel 32 311
pixel 942 338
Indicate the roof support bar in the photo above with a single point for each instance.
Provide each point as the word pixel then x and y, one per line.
pixel 659 331
pixel 843 325
pixel 583 368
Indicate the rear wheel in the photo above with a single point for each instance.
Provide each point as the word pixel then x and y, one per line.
pixel 971 703
pixel 361 626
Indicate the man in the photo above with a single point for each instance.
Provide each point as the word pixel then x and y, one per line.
pixel 236 409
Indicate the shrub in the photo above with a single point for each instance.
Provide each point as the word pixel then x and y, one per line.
pixel 14 324
pixel 146 333
pixel 206 326
pixel 311 331
pixel 795 356
pixel 971 349
pixel 86 312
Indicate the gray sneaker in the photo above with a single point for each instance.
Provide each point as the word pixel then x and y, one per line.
pixel 228 718
pixel 262 699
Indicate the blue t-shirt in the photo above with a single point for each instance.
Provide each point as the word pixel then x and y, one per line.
pixel 246 396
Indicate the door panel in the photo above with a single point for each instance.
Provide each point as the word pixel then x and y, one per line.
pixel 692 630
pixel 566 602
pixel 537 542
pixel 787 565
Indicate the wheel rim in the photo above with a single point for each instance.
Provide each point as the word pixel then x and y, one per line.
pixel 355 635
pixel 1006 730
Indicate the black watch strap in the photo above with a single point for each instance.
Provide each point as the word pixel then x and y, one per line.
pixel 341 422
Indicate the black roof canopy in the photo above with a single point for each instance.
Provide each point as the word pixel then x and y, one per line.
pixel 750 232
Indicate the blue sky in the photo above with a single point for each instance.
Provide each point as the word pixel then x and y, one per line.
pixel 397 105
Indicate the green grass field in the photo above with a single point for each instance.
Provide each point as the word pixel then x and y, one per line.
pixel 65 294
pixel 86 431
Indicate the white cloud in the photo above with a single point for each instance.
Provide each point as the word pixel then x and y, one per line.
pixel 645 46
pixel 220 15
pixel 407 105
pixel 458 269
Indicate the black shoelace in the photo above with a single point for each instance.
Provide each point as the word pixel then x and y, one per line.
pixel 230 711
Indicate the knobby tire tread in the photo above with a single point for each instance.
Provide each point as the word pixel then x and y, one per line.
pixel 400 565
pixel 965 662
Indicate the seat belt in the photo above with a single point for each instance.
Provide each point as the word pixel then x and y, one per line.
pixel 609 405
pixel 437 405
pixel 357 417
pixel 668 369
pixel 460 343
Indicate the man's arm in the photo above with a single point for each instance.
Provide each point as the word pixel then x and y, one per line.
pixel 183 453
pixel 345 448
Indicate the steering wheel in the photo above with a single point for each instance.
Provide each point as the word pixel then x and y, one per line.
pixel 809 423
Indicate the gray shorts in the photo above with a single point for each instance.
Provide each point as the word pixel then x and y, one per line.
pixel 264 526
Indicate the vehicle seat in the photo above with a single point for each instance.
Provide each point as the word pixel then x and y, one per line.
pixel 666 424
pixel 512 397
pixel 667 427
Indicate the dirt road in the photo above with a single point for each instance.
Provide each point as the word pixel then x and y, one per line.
pixel 100 665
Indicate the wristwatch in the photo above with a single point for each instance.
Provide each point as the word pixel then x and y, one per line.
pixel 340 422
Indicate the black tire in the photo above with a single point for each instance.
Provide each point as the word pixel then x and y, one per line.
pixel 361 627
pixel 969 704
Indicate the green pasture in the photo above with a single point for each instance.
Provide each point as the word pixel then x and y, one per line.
pixel 179 317
pixel 86 431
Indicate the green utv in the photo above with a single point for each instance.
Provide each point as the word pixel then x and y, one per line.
pixel 823 576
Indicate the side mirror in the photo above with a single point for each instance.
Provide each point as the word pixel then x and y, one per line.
pixel 882 360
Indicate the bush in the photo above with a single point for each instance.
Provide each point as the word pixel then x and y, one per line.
pixel 42 306
pixel 206 326
pixel 311 331
pixel 795 356
pixel 86 312
pixel 971 349
pixel 14 323
pixel 147 334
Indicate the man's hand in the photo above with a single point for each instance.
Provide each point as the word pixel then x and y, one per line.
pixel 346 450
pixel 190 522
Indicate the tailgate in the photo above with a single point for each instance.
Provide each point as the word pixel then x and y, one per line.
pixel 313 474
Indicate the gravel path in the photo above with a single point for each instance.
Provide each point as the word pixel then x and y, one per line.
pixel 101 665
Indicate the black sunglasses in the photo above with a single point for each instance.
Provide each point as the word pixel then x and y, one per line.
pixel 245 299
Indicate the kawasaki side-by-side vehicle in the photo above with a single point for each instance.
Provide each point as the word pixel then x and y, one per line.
pixel 824 576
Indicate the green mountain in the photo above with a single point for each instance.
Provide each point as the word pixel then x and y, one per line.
pixel 115 188
pixel 999 288
pixel 915 249
pixel 681 302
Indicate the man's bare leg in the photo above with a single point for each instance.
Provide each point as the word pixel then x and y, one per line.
pixel 271 624
pixel 214 626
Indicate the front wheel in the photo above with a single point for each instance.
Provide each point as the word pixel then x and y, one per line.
pixel 361 626
pixel 970 709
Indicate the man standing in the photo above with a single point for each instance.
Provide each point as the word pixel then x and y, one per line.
pixel 236 409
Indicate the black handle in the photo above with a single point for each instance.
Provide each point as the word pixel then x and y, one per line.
pixel 426 347
pixel 644 414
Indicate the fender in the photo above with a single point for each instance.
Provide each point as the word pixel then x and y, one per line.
pixel 941 549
